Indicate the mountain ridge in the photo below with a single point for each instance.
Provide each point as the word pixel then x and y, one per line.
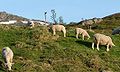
pixel 4 16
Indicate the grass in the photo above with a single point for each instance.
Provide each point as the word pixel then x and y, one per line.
pixel 37 50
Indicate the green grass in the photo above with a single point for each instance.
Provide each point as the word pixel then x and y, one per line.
pixel 37 50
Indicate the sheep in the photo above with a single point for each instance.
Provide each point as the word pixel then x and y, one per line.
pixel 82 32
pixel 88 23
pixel 102 40
pixel 97 20
pixel 59 28
pixel 7 54
pixel 32 24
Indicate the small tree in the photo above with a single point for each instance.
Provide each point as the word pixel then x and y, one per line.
pixel 60 20
pixel 53 17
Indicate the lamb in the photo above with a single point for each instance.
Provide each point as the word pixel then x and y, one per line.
pixel 82 32
pixel 7 54
pixel 59 28
pixel 102 40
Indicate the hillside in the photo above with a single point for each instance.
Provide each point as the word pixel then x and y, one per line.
pixel 4 16
pixel 115 16
pixel 36 50
pixel 109 22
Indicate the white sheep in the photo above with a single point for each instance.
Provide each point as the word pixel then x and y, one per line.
pixel 97 20
pixel 7 54
pixel 88 23
pixel 32 24
pixel 102 40
pixel 59 28
pixel 82 32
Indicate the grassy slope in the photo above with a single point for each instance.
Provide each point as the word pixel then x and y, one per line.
pixel 36 50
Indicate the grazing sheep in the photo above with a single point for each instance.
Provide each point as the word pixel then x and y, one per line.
pixel 116 31
pixel 97 20
pixel 32 24
pixel 8 57
pixel 102 40
pixel 59 28
pixel 82 32
pixel 88 23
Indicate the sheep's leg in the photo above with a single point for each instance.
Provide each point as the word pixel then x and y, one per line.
pixel 108 47
pixel 11 59
pixel 83 37
pixel 77 35
pixel 98 46
pixel 54 32
pixel 90 28
pixel 93 45
pixel 64 32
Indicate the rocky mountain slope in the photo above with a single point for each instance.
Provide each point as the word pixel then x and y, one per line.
pixel 4 16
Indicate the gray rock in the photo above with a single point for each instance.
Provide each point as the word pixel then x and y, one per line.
pixel 116 31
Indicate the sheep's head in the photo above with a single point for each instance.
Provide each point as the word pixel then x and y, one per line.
pixel 88 37
pixel 112 44
pixel 9 65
